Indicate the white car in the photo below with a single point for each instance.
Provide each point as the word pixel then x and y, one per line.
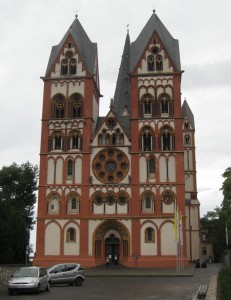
pixel 31 279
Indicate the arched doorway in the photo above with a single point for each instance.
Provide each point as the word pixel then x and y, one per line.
pixel 111 237
pixel 112 247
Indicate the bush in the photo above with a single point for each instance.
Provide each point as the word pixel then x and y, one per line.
pixel 224 283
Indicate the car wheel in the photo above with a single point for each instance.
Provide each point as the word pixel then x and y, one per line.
pixel 78 281
pixel 38 289
pixel 48 286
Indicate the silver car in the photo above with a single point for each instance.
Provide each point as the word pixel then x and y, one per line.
pixel 31 279
pixel 70 273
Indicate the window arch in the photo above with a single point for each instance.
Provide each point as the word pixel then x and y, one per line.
pixel 75 140
pixel 146 104
pixel 73 203
pixel 70 168
pixel 64 67
pixel 187 139
pixel 147 199
pixel 57 140
pixel 73 66
pixel 150 61
pixel 76 105
pixel 71 235
pixel 149 235
pixel 164 99
pixel 58 106
pixel 151 164
pixel 159 63
pixel 146 139
pixel 53 204
pixel 167 139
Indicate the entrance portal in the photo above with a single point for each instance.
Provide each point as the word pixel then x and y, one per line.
pixel 112 247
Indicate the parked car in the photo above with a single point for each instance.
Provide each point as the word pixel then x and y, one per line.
pixel 201 263
pixel 70 273
pixel 31 279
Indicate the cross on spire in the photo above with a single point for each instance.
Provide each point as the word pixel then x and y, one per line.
pixel 76 13
pixel 127 27
pixel 154 7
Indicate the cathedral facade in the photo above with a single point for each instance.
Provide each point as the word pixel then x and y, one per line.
pixel 117 185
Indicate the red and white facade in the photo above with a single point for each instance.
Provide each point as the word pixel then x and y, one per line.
pixel 109 185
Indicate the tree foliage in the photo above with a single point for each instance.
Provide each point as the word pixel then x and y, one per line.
pixel 18 185
pixel 226 203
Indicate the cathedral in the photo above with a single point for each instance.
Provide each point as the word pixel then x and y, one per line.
pixel 121 185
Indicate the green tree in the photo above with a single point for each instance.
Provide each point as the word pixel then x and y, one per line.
pixel 213 224
pixel 18 185
pixel 226 203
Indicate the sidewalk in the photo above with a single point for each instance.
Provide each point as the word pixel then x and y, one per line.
pixel 121 271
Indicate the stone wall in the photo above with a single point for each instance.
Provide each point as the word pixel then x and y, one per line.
pixel 6 271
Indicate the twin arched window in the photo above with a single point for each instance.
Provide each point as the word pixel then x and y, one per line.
pixel 153 107
pixel 111 138
pixel 146 139
pixel 69 64
pixel 75 106
pixel 155 63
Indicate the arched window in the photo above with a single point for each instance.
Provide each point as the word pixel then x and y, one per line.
pixel 73 203
pixel 70 167
pixel 73 66
pixel 151 167
pixel 57 141
pixel 71 235
pixel 64 67
pixel 147 199
pixel 146 139
pixel 53 204
pixel 75 140
pixel 145 105
pixel 164 104
pixel 76 106
pixel 187 140
pixel 159 63
pixel 167 139
pixel 58 106
pixel 149 235
pixel 150 61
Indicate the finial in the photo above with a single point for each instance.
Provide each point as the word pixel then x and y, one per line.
pixel 128 28
pixel 154 8
pixel 76 15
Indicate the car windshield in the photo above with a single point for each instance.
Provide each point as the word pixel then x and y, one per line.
pixel 27 272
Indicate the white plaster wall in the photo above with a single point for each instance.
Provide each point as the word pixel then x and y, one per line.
pixel 148 248
pixel 143 169
pixel 98 209
pixel 52 239
pixel 78 170
pixel 110 209
pixel 189 182
pixel 162 169
pixel 194 217
pixel 168 243
pixel 59 171
pixel 190 159
pixel 172 168
pixel 76 87
pixel 50 171
pixel 58 87
pixel 72 248
pixel 122 209
pixel 168 208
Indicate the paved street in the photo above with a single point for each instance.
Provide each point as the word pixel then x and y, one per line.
pixel 134 288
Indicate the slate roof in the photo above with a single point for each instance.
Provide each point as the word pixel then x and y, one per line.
pixel 139 45
pixel 87 49
pixel 122 92
pixel 186 112
pixel 132 54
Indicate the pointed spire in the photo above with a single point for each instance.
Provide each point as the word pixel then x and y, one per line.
pixel 122 91
pixel 171 44
pixel 87 49
pixel 186 112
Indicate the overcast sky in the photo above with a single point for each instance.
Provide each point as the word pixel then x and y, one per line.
pixel 29 28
